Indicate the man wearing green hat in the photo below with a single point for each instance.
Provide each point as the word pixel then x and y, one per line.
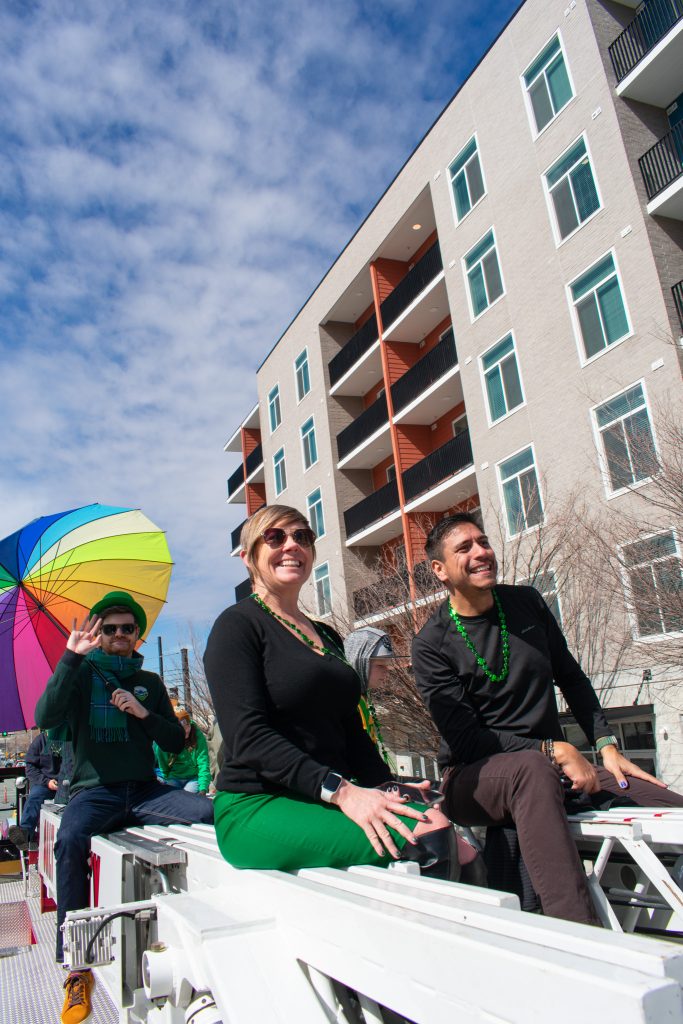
pixel 115 711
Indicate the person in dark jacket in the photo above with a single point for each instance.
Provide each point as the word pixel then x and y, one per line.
pixel 46 761
pixel 486 663
pixel 115 711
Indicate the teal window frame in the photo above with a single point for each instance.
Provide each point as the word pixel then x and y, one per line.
pixel 599 307
pixel 502 379
pixel 323 589
pixel 308 443
pixel 654 571
pixel 521 492
pixel 572 189
pixel 467 179
pixel 315 512
pixel 280 471
pixel 484 276
pixel 302 375
pixel 547 84
pixel 274 411
pixel 628 445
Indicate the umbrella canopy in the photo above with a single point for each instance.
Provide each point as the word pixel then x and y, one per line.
pixel 54 570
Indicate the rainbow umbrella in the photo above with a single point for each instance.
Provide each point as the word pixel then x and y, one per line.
pixel 52 572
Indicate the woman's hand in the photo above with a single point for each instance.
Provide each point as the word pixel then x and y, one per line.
pixel 87 638
pixel 374 812
pixel 620 767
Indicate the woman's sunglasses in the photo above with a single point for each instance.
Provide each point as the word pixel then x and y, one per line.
pixel 275 537
pixel 111 629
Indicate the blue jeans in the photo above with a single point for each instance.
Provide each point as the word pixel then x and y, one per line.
pixel 189 785
pixel 105 809
pixel 31 813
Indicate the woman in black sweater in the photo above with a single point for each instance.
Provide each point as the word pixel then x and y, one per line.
pixel 296 753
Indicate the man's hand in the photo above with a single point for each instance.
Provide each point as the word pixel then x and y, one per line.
pixel 620 767
pixel 87 638
pixel 125 701
pixel 53 785
pixel 575 766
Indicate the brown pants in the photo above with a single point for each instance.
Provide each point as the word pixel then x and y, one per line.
pixel 524 789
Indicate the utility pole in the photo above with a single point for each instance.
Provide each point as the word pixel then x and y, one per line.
pixel 161 659
pixel 187 696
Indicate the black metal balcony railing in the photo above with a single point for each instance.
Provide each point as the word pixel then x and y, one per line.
pixel 235 480
pixel 424 373
pixel 236 533
pixel 243 589
pixel 355 347
pixel 393 591
pixel 254 459
pixel 415 281
pixel 642 34
pixel 371 509
pixel 451 458
pixel 663 163
pixel 370 420
pixel 678 300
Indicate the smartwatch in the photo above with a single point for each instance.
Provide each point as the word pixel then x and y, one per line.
pixel 331 784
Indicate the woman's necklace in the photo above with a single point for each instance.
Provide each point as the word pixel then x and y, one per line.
pixel 337 653
pixel 493 676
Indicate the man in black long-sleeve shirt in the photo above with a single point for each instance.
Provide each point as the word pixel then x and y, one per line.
pixel 486 663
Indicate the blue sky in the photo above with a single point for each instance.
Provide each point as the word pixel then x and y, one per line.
pixel 175 179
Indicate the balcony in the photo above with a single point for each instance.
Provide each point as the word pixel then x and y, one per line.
pixel 445 465
pixel 236 485
pixel 662 170
pixel 648 55
pixel 678 299
pixel 413 284
pixel 426 390
pixel 369 423
pixel 392 592
pixel 377 507
pixel 235 535
pixel 243 589
pixel 353 350
pixel 254 461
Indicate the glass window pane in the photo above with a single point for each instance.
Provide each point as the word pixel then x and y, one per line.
pixel 613 312
pixel 638 735
pixel 462 157
pixel 475 179
pixel 474 255
pixel 616 453
pixel 565 163
pixel 641 444
pixel 495 354
pixel 513 507
pixel 670 591
pixel 494 281
pixel 494 388
pixel 584 188
pixel 588 281
pixel 565 210
pixel 558 81
pixel 513 387
pixel 544 57
pixel 540 102
pixel 477 290
pixel 531 498
pixel 620 406
pixel 591 327
pixel 644 597
pixel 516 464
pixel 462 199
pixel 647 550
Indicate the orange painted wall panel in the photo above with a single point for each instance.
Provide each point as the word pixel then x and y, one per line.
pixel 414 443
pixel 256 496
pixel 389 273
pixel 444 426
pixel 251 438
pixel 379 472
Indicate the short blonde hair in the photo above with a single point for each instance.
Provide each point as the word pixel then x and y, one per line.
pixel 262 520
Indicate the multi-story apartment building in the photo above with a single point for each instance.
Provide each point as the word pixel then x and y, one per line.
pixel 502 325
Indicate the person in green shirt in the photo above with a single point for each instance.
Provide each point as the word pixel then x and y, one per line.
pixel 190 769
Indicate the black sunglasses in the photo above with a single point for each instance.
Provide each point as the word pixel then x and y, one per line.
pixel 111 629
pixel 275 537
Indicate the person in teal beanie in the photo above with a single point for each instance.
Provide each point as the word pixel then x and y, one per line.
pixel 190 769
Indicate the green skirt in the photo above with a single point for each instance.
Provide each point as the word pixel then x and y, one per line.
pixel 260 830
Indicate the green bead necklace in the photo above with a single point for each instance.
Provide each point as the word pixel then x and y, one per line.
pixel 483 665
pixel 336 653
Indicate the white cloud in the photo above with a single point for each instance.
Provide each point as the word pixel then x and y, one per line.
pixel 175 179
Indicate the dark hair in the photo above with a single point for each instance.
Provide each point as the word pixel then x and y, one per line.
pixel 434 543
pixel 191 738
pixel 118 609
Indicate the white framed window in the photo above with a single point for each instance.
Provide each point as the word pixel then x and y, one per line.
pixel 627 444
pixel 279 471
pixel 502 382
pixel 274 415
pixel 467 179
pixel 302 374
pixel 521 493
pixel 308 443
pixel 459 425
pixel 547 85
pixel 391 473
pixel 655 584
pixel 314 509
pixel 483 274
pixel 323 590
pixel 572 190
pixel 546 584
pixel 598 307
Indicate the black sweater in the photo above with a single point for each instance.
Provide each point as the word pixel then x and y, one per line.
pixel 476 717
pixel 287 714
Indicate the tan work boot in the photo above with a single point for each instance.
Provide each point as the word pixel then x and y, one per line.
pixel 77 1005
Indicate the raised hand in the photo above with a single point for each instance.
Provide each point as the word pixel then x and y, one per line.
pixel 87 638
pixel 373 811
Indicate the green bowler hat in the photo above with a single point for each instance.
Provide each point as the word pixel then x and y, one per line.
pixel 120 597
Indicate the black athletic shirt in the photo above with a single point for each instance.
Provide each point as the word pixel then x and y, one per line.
pixel 477 717
pixel 287 715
